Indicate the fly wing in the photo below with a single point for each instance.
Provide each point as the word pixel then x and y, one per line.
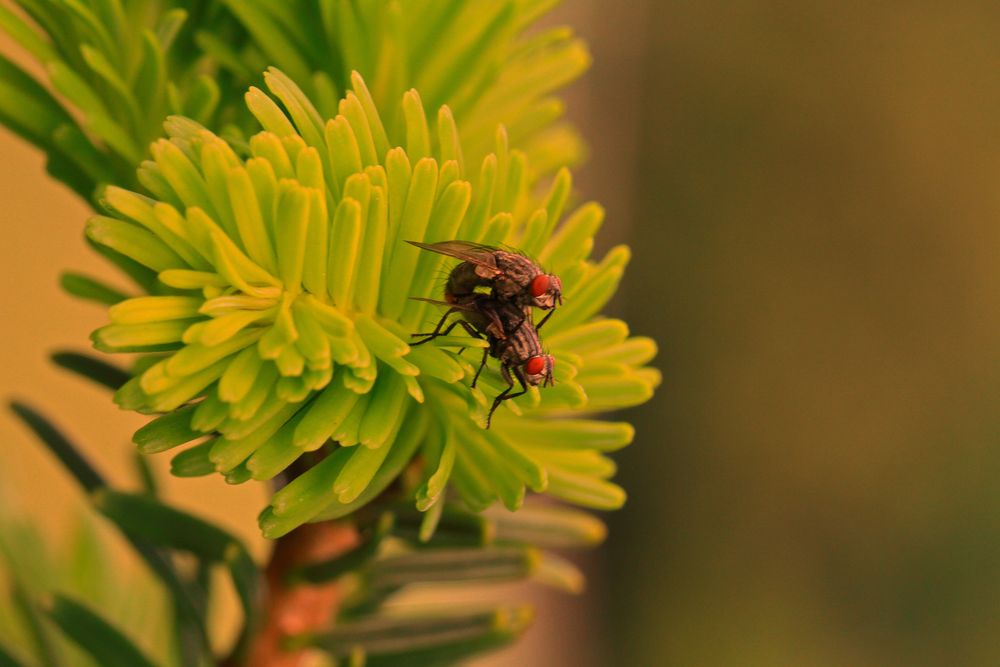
pixel 467 307
pixel 474 253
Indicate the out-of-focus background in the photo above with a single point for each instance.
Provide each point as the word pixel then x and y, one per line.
pixel 811 192
pixel 810 189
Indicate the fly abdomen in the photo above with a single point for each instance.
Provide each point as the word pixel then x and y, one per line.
pixel 462 282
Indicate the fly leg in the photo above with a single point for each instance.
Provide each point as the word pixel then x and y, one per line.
pixel 435 334
pixel 437 330
pixel 472 332
pixel 505 395
pixel 469 329
pixel 544 319
pixel 482 365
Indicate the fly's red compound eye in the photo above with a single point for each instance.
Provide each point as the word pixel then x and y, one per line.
pixel 535 366
pixel 540 285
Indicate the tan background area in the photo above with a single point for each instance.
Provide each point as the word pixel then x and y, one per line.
pixel 42 224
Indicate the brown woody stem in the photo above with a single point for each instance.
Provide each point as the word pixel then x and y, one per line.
pixel 296 609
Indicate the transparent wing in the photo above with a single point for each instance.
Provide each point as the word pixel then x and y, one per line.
pixel 466 307
pixel 480 255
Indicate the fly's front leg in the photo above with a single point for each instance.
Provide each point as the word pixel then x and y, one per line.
pixel 505 395
pixel 505 373
pixel 544 319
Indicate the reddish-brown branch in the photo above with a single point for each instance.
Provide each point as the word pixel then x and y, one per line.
pixel 297 609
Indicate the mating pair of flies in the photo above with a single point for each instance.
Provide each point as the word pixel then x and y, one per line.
pixel 501 316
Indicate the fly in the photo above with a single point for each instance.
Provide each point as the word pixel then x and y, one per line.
pixel 513 341
pixel 511 277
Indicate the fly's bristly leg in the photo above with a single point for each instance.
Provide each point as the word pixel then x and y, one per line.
pixel 544 319
pixel 505 395
pixel 469 329
pixel 437 330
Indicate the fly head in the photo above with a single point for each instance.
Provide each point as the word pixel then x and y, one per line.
pixel 538 370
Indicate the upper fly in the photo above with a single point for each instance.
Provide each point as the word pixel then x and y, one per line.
pixel 510 276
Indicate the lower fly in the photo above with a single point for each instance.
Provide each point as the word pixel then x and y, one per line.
pixel 512 337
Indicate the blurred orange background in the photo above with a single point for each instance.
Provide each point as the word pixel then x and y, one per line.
pixel 809 192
